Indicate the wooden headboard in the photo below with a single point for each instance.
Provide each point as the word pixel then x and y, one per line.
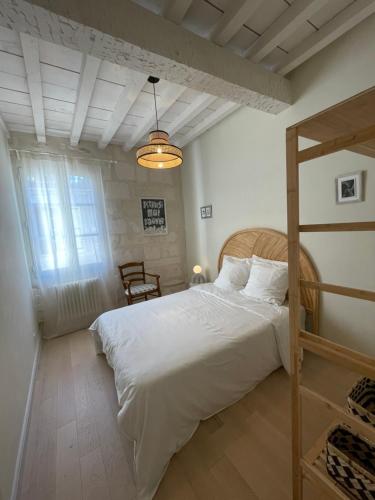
pixel 271 244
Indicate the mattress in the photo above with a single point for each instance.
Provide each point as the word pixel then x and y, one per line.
pixel 180 359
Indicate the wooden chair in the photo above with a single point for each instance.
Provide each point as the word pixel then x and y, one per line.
pixel 134 272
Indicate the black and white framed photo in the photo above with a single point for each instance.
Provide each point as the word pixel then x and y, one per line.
pixel 154 216
pixel 349 187
pixel 206 212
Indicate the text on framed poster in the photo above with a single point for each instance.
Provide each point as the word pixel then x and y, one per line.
pixel 154 216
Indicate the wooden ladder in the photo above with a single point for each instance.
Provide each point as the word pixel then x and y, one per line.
pixel 311 466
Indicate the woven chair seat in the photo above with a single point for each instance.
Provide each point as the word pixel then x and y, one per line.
pixel 142 288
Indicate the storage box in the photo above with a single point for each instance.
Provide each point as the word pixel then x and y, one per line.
pixel 350 461
pixel 361 400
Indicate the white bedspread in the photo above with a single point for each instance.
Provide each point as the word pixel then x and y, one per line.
pixel 182 358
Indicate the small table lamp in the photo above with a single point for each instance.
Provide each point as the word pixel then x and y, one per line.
pixel 197 277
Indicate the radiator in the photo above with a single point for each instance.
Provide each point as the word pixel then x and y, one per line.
pixel 78 299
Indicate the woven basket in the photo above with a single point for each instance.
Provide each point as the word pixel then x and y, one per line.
pixel 351 462
pixel 361 400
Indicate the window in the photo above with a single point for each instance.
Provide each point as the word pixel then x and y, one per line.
pixel 64 207
pixel 86 227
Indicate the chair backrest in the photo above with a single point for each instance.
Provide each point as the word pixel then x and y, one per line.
pixel 132 271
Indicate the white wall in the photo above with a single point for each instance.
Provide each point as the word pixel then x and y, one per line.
pixel 239 167
pixel 18 331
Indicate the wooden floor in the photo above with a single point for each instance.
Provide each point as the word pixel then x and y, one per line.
pixel 74 449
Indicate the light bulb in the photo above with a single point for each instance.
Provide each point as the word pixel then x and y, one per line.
pixel 197 269
pixel 159 150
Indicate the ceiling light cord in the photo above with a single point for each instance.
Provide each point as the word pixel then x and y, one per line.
pixel 156 109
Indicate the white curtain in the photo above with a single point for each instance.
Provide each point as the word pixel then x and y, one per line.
pixel 63 205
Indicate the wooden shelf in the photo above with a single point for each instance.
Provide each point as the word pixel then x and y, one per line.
pixel 339 226
pixel 313 463
pixel 344 416
pixel 317 474
pixel 349 125
pixel 314 469
pixel 342 119
pixel 339 290
pixel 337 144
pixel 343 356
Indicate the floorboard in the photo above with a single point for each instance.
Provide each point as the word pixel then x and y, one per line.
pixel 75 451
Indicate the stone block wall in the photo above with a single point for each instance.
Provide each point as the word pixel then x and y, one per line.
pixel 124 185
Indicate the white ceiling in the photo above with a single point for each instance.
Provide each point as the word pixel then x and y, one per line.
pixel 51 90
pixel 93 100
pixel 203 17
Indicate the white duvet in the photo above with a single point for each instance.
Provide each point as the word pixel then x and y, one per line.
pixel 182 358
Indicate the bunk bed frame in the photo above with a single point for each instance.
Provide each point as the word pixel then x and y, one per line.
pixel 349 125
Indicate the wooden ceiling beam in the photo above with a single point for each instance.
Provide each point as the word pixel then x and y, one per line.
pixel 215 117
pixel 30 49
pixel 3 127
pixel 200 103
pixel 126 100
pixel 238 12
pixel 89 72
pixel 127 34
pixel 291 19
pixel 340 24
pixel 167 98
pixel 175 10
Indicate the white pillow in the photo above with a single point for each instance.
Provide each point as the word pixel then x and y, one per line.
pixel 234 273
pixel 268 280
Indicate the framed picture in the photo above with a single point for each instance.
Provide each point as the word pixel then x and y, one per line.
pixel 349 187
pixel 154 216
pixel 206 212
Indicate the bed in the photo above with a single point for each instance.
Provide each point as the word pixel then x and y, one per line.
pixel 180 359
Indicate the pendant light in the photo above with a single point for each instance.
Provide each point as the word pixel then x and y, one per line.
pixel 158 153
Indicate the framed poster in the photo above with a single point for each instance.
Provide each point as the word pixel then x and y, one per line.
pixel 206 212
pixel 154 216
pixel 349 188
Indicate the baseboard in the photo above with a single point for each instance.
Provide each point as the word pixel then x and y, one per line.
pixel 25 425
